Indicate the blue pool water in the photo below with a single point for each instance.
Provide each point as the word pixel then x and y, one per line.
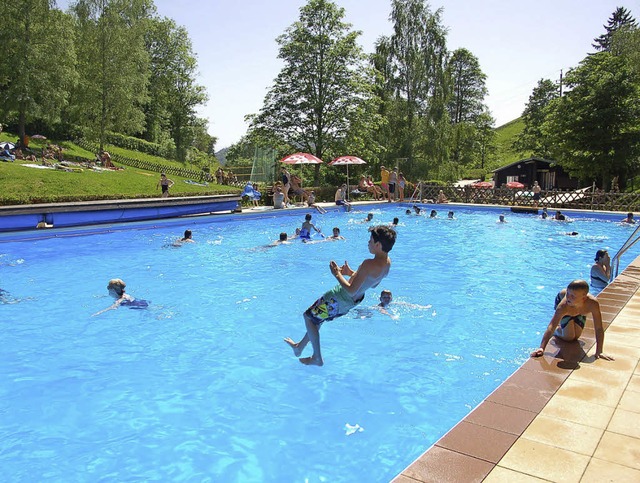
pixel 201 387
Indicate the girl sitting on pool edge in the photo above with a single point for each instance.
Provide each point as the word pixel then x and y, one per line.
pixel 116 288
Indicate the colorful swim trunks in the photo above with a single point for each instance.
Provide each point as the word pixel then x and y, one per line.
pixel 335 303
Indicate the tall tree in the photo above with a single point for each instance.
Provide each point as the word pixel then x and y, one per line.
pixel 416 64
pixel 594 127
pixel 468 85
pixel 319 97
pixel 37 68
pixel 621 19
pixel 174 93
pixel 531 138
pixel 466 103
pixel 112 65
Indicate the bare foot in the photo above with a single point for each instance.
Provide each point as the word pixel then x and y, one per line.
pixel 295 346
pixel 311 361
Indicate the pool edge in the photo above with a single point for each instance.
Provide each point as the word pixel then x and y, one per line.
pixel 477 445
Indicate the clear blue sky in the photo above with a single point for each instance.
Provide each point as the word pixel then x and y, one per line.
pixel 516 42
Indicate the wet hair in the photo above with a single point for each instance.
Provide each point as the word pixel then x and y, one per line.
pixel 307 217
pixel 187 234
pixel 408 212
pixel 579 285
pixel 385 235
pixel 396 220
pixel 335 228
pixel 599 254
pixel 369 216
pixel 283 236
pixel 386 292
pixel 117 284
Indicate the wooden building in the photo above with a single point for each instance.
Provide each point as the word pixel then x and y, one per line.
pixel 548 174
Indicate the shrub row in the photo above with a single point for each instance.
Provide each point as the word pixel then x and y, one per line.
pixel 135 144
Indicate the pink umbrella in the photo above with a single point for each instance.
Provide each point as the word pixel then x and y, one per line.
pixel 482 184
pixel 301 158
pixel 514 185
pixel 346 161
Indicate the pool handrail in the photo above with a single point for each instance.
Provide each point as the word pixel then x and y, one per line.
pixel 625 246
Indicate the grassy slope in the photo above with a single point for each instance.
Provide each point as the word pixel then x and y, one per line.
pixel 19 184
pixel 505 135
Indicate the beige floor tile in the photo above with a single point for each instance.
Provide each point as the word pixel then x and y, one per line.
pixel 504 475
pixel 606 375
pixel 626 357
pixel 544 461
pixel 578 411
pixel 600 471
pixel 564 434
pixel 634 384
pixel 590 392
pixel 625 422
pixel 627 319
pixel 630 401
pixel 620 449
pixel 621 333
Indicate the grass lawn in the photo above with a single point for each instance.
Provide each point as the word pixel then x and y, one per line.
pixel 20 185
pixel 23 185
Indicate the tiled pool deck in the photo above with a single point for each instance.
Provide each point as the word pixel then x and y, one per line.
pixel 564 417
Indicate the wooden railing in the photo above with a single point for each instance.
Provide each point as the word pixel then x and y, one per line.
pixel 146 165
pixel 585 199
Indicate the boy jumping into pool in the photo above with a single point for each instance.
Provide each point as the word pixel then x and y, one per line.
pixel 347 294
pixel 572 304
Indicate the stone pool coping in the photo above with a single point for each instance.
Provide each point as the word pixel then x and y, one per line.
pixel 563 417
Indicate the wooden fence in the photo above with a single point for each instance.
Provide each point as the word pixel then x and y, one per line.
pixel 585 199
pixel 146 165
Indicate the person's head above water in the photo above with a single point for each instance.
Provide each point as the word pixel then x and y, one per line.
pixel 116 286
pixel 187 235
pixel 283 236
pixel 307 217
pixel 386 297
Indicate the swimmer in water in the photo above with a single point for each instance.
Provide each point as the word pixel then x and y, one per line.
pixel 116 288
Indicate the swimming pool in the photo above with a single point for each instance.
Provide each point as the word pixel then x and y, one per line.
pixel 201 387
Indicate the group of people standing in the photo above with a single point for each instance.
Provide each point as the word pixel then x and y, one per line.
pixel 392 183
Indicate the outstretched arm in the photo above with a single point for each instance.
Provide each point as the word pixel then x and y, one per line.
pixel 597 325
pixel 555 320
pixel 115 305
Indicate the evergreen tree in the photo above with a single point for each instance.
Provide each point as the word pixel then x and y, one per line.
pixel 620 19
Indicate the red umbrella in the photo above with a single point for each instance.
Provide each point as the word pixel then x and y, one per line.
pixel 482 184
pixel 514 185
pixel 301 158
pixel 346 161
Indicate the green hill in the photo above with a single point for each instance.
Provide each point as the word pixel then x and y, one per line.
pixel 505 136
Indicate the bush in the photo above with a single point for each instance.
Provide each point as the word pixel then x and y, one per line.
pixel 135 144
